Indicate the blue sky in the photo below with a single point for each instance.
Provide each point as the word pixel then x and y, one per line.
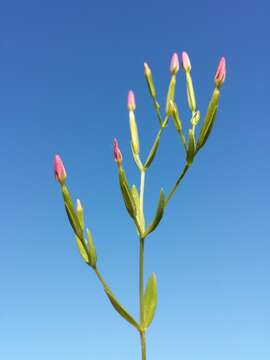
pixel 65 71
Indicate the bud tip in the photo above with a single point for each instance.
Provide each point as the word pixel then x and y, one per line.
pixel 174 67
pixel 221 72
pixel 59 169
pixel 131 101
pixel 117 153
pixel 186 61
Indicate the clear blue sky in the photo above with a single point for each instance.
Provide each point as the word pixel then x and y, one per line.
pixel 65 69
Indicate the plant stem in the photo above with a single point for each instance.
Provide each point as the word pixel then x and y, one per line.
pixel 142 190
pixel 183 173
pixel 143 345
pixel 141 269
pixel 141 285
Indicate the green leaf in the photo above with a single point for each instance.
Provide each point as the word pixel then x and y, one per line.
pixel 136 197
pixel 82 250
pixel 126 193
pixel 191 147
pixel 136 158
pixel 209 119
pixel 72 216
pixel 158 215
pixel 91 249
pixel 153 151
pixel 150 300
pixel 176 119
pixel 119 308
pixel 170 94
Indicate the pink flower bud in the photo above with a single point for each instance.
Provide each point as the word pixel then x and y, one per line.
pixel 185 61
pixel 174 64
pixel 221 72
pixel 131 101
pixel 147 71
pixel 117 153
pixel 59 170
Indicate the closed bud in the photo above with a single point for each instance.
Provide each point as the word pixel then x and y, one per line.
pixel 185 61
pixel 149 79
pixel 174 67
pixel 134 133
pixel 117 153
pixel 221 72
pixel 59 170
pixel 80 213
pixel 131 101
pixel 147 71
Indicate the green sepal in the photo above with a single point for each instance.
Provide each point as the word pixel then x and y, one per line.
pixel 136 197
pixel 72 216
pixel 126 193
pixel 191 147
pixel 153 151
pixel 190 92
pixel 82 250
pixel 170 94
pixel 119 308
pixel 209 119
pixel 158 215
pixel 91 249
pixel 150 301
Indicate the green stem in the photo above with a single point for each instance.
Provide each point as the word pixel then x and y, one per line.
pixel 183 173
pixel 143 345
pixel 141 271
pixel 101 279
pixel 142 190
pixel 141 286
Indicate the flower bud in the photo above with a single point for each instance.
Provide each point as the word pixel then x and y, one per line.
pixel 185 61
pixel 80 213
pixel 147 70
pixel 134 133
pixel 117 153
pixel 221 72
pixel 174 67
pixel 131 101
pixel 149 79
pixel 59 170
pixel 79 206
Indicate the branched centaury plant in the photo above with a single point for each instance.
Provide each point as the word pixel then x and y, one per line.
pixel 133 198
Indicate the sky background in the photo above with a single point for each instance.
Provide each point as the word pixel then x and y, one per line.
pixel 65 69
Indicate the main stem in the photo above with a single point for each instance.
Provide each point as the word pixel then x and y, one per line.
pixel 141 267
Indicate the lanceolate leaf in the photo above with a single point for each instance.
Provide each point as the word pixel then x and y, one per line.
pixel 136 197
pixel 159 214
pixel 126 193
pixel 150 300
pixel 191 147
pixel 91 249
pixel 119 308
pixel 153 151
pixel 82 250
pixel 209 119
pixel 72 216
